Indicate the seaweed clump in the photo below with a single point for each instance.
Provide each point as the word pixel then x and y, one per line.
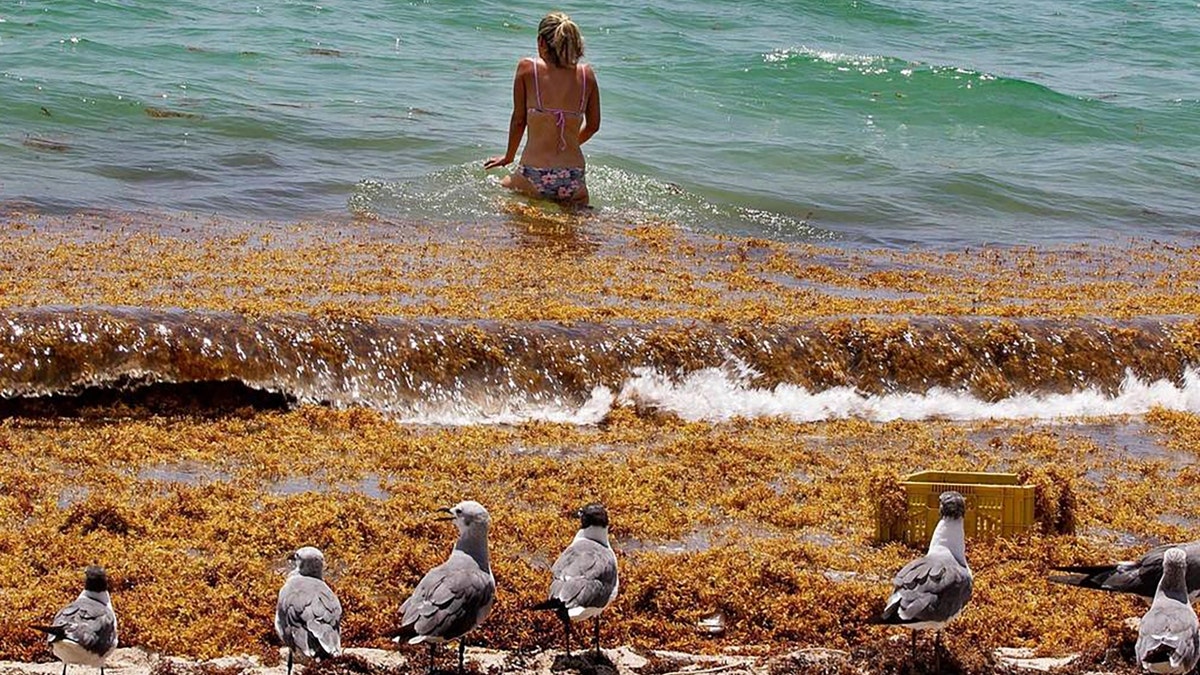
pixel 600 269
pixel 192 515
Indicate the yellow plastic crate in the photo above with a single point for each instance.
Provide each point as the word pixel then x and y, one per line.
pixel 997 504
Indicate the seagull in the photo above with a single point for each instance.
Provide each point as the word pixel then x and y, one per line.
pixel 1169 635
pixel 456 596
pixel 85 631
pixel 585 575
pixel 1139 577
pixel 930 591
pixel 308 616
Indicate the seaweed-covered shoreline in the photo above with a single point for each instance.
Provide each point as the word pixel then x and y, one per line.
pixel 766 520
pixel 539 266
pixel 191 516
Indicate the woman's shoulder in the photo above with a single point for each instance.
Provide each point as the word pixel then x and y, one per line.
pixel 525 65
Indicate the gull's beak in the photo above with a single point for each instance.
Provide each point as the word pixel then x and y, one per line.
pixel 284 565
pixel 449 514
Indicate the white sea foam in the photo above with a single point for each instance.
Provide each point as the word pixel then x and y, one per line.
pixel 868 64
pixel 720 394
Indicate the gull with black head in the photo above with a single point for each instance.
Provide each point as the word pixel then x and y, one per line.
pixel 585 575
pixel 1138 577
pixel 456 596
pixel 308 616
pixel 85 631
pixel 932 590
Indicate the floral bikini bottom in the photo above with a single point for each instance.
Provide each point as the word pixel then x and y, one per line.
pixel 559 184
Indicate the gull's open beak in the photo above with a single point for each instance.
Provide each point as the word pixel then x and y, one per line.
pixel 449 514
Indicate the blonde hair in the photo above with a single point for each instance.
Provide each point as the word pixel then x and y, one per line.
pixel 564 42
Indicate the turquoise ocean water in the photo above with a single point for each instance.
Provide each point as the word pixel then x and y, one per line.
pixel 903 123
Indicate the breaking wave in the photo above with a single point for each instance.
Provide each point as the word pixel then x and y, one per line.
pixel 57 361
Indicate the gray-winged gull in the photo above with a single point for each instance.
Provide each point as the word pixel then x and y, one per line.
pixel 85 631
pixel 456 596
pixel 1139 577
pixel 931 590
pixel 1169 635
pixel 308 616
pixel 585 575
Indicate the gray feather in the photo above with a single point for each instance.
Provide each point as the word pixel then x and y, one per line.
pixel 1170 624
pixel 450 600
pixel 1139 577
pixel 585 575
pixel 932 588
pixel 308 617
pixel 1169 634
pixel 89 623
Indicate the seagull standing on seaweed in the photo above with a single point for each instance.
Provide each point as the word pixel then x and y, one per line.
pixel 456 596
pixel 308 616
pixel 933 589
pixel 85 631
pixel 1138 577
pixel 1169 635
pixel 585 575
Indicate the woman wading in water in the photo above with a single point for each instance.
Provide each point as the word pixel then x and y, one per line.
pixel 557 99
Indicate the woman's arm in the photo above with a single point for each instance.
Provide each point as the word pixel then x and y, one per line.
pixel 516 123
pixel 591 123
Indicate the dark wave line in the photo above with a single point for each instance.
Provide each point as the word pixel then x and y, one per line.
pixel 130 396
pixel 74 358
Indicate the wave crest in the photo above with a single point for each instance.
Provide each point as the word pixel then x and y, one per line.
pixel 463 372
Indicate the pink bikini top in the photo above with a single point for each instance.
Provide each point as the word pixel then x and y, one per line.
pixel 560 115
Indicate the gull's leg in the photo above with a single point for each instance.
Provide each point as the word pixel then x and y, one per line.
pixel 567 628
pixel 596 636
pixel 937 652
pixel 462 652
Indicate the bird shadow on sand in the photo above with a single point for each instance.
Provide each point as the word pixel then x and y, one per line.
pixel 586 663
pixel 348 664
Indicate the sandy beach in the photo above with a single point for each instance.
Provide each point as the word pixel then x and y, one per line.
pixel 620 661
